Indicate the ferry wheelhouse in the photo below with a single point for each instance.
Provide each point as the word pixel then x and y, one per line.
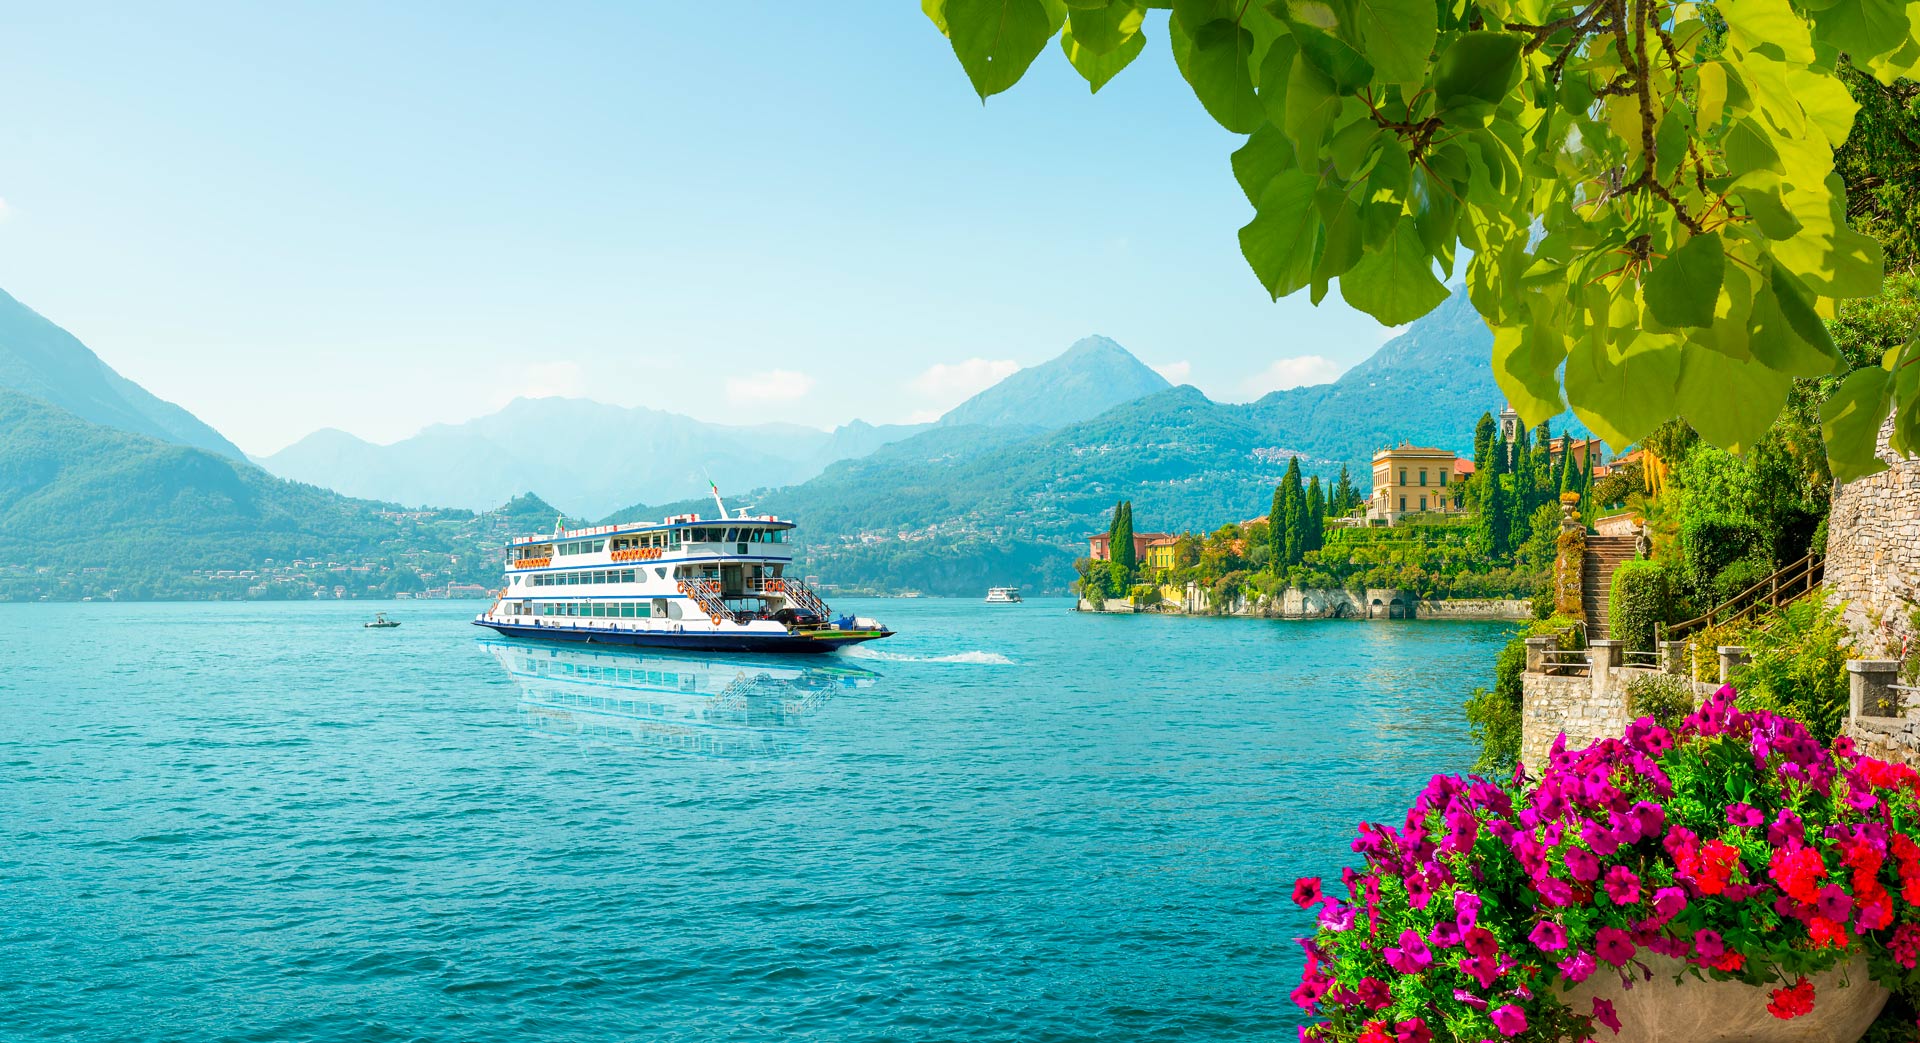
pixel 689 583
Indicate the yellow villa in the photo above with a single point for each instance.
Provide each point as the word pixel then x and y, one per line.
pixel 1411 479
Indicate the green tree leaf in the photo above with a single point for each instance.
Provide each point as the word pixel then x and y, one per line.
pixel 1098 68
pixel 1526 365
pixel 1728 401
pixel 1215 61
pixel 1399 36
pixel 1261 159
pixel 1621 393
pixel 1395 284
pixel 996 40
pixel 1103 30
pixel 1479 67
pixel 1683 289
pixel 1340 63
pixel 1282 240
pixel 1312 104
pixel 1850 422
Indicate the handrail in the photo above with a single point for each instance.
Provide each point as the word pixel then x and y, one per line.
pixel 1779 582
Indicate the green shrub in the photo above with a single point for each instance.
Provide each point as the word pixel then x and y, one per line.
pixel 1145 594
pixel 1663 697
pixel 1638 604
pixel 1738 576
pixel 1799 665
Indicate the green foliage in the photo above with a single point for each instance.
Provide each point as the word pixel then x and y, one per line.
pixel 1288 522
pixel 1799 665
pixel 1664 697
pixel 1315 522
pixel 1120 547
pixel 1494 516
pixel 1639 603
pixel 1345 496
pixel 1649 190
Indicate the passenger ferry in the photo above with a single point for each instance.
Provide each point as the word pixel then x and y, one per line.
pixel 1003 595
pixel 688 583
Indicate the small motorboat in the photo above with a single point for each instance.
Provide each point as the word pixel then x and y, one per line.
pixel 381 622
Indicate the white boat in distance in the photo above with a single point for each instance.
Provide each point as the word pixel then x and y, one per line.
pixel 688 583
pixel 1003 595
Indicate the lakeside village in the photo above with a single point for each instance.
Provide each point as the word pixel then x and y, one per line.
pixel 1438 536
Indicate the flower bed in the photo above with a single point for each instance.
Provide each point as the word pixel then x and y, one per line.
pixel 1736 845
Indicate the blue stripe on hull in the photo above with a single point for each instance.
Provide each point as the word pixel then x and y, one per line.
pixel 682 641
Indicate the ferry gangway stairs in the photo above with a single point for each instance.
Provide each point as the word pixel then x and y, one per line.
pixel 799 596
pixel 706 594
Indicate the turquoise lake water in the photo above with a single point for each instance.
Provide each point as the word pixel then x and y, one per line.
pixel 262 822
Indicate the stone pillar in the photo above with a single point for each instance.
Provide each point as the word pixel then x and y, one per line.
pixel 1536 647
pixel 1606 654
pixel 1673 658
pixel 1569 559
pixel 1732 657
pixel 1869 687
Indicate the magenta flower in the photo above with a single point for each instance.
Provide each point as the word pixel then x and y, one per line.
pixel 1548 936
pixel 1668 903
pixel 1306 891
pixel 1466 909
pixel 1613 945
pixel 1373 992
pixel 1337 916
pixel 1622 886
pixel 1413 1030
pixel 1445 935
pixel 1470 999
pixel 1411 955
pixel 1581 864
pixel 1603 1013
pixel 1834 903
pixel 1708 944
pixel 1604 840
pixel 1745 816
pixel 1419 892
pixel 1651 819
pixel 1510 1020
pixel 1579 968
pixel 1553 890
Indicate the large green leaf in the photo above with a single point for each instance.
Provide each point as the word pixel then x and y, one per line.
pixel 1622 393
pixel 1796 306
pixel 1217 67
pixel 1261 159
pixel 996 40
pixel 1341 64
pixel 1395 283
pixel 1682 289
pixel 1850 421
pixel 1730 402
pixel 1098 68
pixel 1862 28
pixel 1103 30
pixel 1526 365
pixel 1312 104
pixel 1477 67
pixel 1281 242
pixel 1399 36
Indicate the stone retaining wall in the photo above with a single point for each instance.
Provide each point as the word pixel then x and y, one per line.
pixel 1475 608
pixel 1873 552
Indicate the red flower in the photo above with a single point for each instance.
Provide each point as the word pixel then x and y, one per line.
pixel 1792 1002
pixel 1306 891
pixel 1374 1032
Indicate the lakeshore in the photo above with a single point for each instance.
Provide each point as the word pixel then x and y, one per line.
pixel 1314 603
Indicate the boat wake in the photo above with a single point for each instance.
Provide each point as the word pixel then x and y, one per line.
pixel 976 658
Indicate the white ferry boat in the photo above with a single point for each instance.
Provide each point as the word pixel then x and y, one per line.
pixel 1003 595
pixel 688 583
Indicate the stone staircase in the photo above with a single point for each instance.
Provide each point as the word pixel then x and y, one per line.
pixel 1604 554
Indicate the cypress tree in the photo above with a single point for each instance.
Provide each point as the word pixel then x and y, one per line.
pixel 1122 545
pixel 1483 436
pixel 1566 470
pixel 1316 515
pixel 1276 530
pixel 1542 451
pixel 1526 497
pixel 1494 508
pixel 1293 515
pixel 1344 498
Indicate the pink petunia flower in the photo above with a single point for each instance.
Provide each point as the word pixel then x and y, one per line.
pixel 1548 936
pixel 1613 945
pixel 1622 886
pixel 1604 1014
pixel 1306 891
pixel 1510 1020
pixel 1578 968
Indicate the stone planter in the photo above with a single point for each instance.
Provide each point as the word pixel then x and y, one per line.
pixel 1845 1002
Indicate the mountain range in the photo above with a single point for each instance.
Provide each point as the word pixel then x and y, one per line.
pixel 648 454
pixel 1003 488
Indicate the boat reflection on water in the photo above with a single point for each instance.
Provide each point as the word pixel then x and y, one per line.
pixel 715 706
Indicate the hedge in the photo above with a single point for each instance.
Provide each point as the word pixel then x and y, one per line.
pixel 1637 605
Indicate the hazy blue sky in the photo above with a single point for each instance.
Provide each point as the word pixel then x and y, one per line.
pixel 381 216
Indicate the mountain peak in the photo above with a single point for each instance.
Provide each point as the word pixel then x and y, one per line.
pixel 1080 383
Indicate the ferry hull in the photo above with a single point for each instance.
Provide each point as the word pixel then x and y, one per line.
pixel 827 641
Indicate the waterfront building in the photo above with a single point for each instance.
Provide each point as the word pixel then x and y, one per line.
pixel 1410 479
pixel 1587 452
pixel 1098 550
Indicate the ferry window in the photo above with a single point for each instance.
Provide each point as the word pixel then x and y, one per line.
pixel 628 576
pixel 600 577
pixel 599 545
pixel 660 572
pixel 676 537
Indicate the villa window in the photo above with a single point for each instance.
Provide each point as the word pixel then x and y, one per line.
pixel 1403 476
pixel 1423 478
pixel 1443 479
pixel 1403 503
pixel 1423 503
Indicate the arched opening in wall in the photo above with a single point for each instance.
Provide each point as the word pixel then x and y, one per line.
pixel 1376 609
pixel 1341 610
pixel 1397 609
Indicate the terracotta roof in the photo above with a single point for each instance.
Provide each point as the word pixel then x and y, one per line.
pixel 1462 465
